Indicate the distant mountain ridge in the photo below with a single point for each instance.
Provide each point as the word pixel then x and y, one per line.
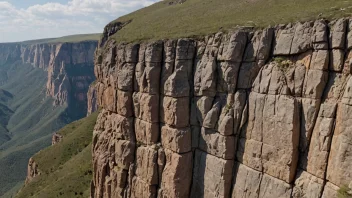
pixel 43 86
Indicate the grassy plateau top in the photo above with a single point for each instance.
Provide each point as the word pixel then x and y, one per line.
pixel 171 19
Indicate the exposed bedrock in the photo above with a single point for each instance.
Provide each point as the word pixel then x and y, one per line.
pixel 240 114
pixel 70 68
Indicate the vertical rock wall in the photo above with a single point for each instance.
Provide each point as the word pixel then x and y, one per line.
pixel 69 66
pixel 241 114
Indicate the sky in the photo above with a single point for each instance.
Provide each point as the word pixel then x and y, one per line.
pixel 22 20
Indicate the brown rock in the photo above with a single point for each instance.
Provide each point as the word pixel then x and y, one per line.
pixel 310 109
pixel 177 140
pixel 260 46
pixel 125 74
pixel 336 60
pixel 307 185
pixel 146 133
pixel 320 35
pixel 227 76
pixel 277 116
pixel 335 86
pixel 56 138
pixel 175 111
pixel 211 176
pixel 161 163
pixel 271 187
pixel 141 189
pixel 232 47
pixel 177 175
pixel 124 103
pixel 32 171
pixel 314 84
pixel 216 144
pixel 185 49
pixel 284 40
pixel 147 77
pixel 146 107
pixel 246 182
pixel 302 38
pixel 320 60
pixel 321 139
pixel 247 74
pixel 146 165
pixel 115 183
pixel 330 191
pixel 338 34
pixel 200 108
pixel 177 85
pixel 92 98
pixel 124 153
pixel 338 171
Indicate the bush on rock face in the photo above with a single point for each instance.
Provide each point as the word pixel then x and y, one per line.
pixel 344 192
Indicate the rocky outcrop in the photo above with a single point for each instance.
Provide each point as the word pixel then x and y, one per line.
pixel 70 72
pixel 92 96
pixel 56 138
pixel 69 66
pixel 32 171
pixel 261 113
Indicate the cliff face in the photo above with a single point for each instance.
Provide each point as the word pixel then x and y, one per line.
pixel 244 114
pixel 32 171
pixel 69 66
pixel 92 105
pixel 70 72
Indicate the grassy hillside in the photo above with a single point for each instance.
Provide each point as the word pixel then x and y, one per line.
pixel 200 17
pixel 30 121
pixel 70 39
pixel 76 38
pixel 5 115
pixel 65 167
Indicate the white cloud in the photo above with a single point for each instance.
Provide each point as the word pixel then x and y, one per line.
pixel 57 19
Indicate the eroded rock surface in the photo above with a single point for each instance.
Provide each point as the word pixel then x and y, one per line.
pixel 238 114
pixel 32 171
pixel 70 68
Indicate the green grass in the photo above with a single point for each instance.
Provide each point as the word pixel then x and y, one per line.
pixel 65 167
pixel 76 38
pixel 31 123
pixel 202 17
pixel 343 192
pixel 5 115
pixel 66 39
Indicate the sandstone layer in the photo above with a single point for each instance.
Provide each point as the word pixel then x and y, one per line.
pixel 261 113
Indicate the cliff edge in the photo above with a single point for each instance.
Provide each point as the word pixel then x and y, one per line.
pixel 248 113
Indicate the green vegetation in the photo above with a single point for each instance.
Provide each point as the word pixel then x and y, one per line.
pixel 201 17
pixel 68 39
pixel 344 192
pixel 282 63
pixel 30 121
pixel 76 38
pixel 5 115
pixel 65 167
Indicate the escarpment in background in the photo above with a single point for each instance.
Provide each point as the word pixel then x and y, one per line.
pixel 243 114
pixel 45 87
pixel 69 66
